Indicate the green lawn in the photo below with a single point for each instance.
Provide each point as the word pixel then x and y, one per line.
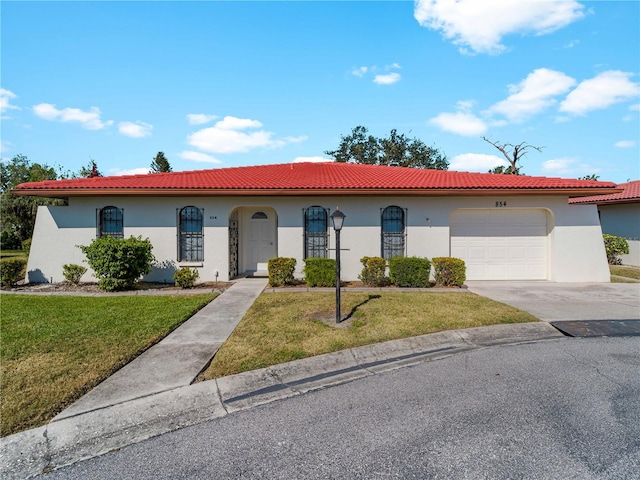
pixel 56 348
pixel 12 253
pixel 625 271
pixel 281 327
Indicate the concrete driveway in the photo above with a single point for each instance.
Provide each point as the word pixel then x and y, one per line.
pixel 554 302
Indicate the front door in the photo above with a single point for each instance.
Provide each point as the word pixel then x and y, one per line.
pixel 261 241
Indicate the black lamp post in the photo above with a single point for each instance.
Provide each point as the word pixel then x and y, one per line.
pixel 337 219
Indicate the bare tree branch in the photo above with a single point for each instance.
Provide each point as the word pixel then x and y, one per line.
pixel 513 153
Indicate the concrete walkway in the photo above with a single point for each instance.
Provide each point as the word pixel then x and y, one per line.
pixel 178 359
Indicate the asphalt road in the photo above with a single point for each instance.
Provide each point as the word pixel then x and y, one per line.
pixel 556 409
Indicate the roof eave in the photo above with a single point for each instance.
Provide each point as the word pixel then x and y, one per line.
pixel 96 192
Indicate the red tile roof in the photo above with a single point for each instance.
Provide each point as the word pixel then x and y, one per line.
pixel 630 194
pixel 312 178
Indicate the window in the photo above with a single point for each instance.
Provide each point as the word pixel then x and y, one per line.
pixel 315 232
pixel 393 226
pixel 190 236
pixel 110 222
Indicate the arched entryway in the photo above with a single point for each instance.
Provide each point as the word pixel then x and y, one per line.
pixel 252 240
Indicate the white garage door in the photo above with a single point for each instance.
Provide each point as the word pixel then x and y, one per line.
pixel 501 244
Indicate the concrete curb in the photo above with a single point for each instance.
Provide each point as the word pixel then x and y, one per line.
pixel 71 439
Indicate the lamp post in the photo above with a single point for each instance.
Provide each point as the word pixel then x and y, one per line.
pixel 337 219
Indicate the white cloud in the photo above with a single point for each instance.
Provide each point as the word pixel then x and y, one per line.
pixel 481 25
pixel 116 172
pixel 312 159
pixel 359 71
pixel 198 157
pixel 533 94
pixel 387 78
pixel 135 129
pixel 227 136
pixel 5 100
pixel 625 144
pixel 476 162
pixel 462 123
pixel 89 120
pixel 635 107
pixel 200 118
pixel 599 92
pixel 569 167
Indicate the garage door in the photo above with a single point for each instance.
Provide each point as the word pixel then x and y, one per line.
pixel 501 244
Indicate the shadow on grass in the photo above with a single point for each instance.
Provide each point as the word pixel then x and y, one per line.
pixel 355 308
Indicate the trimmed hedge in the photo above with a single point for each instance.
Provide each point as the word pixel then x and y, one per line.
pixel 615 246
pixel 26 246
pixel 373 271
pixel 186 277
pixel 320 272
pixel 449 271
pixel 409 271
pixel 281 271
pixel 73 273
pixel 12 270
pixel 119 263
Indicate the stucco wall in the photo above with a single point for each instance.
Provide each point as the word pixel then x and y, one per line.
pixel 624 221
pixel 576 252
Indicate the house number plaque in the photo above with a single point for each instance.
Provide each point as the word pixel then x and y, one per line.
pixel 501 204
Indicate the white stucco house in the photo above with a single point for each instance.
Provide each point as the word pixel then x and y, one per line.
pixel 228 222
pixel 620 215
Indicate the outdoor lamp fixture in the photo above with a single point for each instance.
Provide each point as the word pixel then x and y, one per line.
pixel 337 219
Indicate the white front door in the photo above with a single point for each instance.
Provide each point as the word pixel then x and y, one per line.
pixel 261 241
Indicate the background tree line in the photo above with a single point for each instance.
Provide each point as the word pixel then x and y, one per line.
pixel 18 213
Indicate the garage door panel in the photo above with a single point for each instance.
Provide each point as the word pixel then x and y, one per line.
pixel 501 244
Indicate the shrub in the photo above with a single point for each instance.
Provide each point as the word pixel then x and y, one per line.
pixel 12 270
pixel 373 271
pixel 281 271
pixel 320 272
pixel 409 271
pixel 615 246
pixel 26 246
pixel 73 273
pixel 186 277
pixel 449 271
pixel 119 263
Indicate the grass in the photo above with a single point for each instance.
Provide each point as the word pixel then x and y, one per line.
pixel 628 272
pixel 281 327
pixel 12 253
pixel 56 348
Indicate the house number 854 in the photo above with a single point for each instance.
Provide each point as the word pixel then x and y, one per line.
pixel 501 204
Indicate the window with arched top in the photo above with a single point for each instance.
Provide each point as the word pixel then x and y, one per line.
pixel 110 222
pixel 259 216
pixel 393 232
pixel 316 222
pixel 190 235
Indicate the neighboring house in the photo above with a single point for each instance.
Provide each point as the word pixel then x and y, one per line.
pixel 619 215
pixel 228 222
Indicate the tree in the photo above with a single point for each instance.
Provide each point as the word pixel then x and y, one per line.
pixel 18 213
pixel 160 164
pixel 501 169
pixel 394 150
pixel 593 176
pixel 513 153
pixel 90 171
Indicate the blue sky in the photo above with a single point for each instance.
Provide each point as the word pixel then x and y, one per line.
pixel 220 84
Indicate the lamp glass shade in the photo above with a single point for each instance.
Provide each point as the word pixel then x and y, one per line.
pixel 337 219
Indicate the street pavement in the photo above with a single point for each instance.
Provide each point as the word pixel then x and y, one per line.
pixel 564 408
